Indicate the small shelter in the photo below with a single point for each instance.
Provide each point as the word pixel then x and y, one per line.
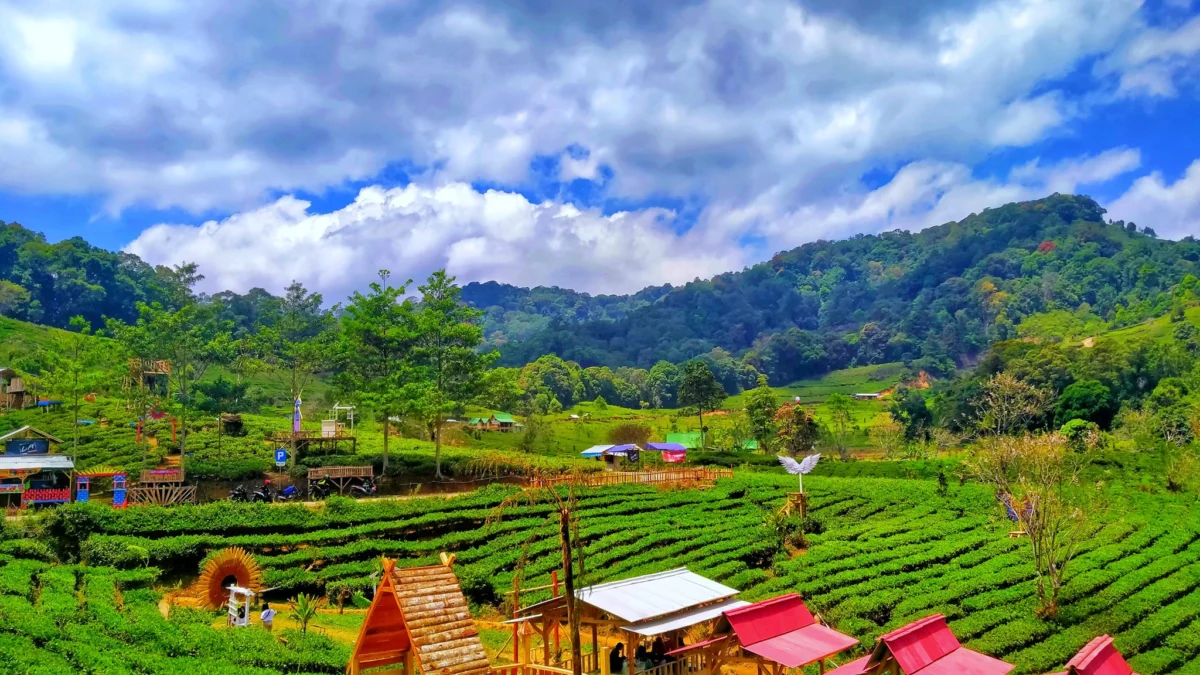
pixel 12 389
pixel 419 618
pixel 925 647
pixel 772 635
pixel 502 422
pixel 874 396
pixel 664 604
pixel 596 451
pixel 672 453
pixel 1098 657
pixel 151 375
pixel 28 469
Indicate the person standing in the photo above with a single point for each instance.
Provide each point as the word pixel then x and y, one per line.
pixel 268 616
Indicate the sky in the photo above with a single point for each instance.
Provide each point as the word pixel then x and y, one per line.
pixel 600 145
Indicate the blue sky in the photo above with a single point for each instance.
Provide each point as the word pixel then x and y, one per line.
pixel 601 145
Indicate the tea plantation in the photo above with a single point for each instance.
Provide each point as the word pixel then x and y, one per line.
pixel 882 552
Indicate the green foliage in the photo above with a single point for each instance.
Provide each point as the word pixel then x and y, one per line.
pixel 909 411
pixel 761 407
pixel 304 609
pixel 798 431
pixel 1087 400
pixel 699 389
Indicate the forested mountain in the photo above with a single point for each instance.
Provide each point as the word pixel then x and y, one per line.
pixel 934 298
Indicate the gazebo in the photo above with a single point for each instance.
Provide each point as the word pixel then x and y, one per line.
pixel 419 618
pixel 772 635
pixel 1098 657
pixel 664 604
pixel 925 647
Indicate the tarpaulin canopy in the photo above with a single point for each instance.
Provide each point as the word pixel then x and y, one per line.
pixel 927 647
pixel 660 447
pixel 684 619
pixel 784 631
pixel 595 451
pixel 1098 657
pixel 626 449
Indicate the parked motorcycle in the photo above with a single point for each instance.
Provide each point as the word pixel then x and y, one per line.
pixel 238 494
pixel 320 489
pixel 287 494
pixel 263 493
pixel 366 488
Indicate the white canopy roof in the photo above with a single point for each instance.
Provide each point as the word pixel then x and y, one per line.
pixel 688 617
pixel 654 595
pixel 26 462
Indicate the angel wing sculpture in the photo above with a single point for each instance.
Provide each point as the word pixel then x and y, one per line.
pixel 800 468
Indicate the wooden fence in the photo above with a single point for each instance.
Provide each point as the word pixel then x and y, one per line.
pixel 530 669
pixel 658 476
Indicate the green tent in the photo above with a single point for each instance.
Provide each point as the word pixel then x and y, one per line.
pixel 689 440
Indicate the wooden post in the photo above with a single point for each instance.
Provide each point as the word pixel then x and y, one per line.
pixel 564 524
pixel 410 661
pixel 554 593
pixel 630 651
pixel 516 624
pixel 596 650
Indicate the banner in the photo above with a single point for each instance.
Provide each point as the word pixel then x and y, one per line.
pixel 27 446
pixel 675 456
pixel 633 456
pixel 296 416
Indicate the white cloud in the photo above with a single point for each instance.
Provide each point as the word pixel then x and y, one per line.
pixel 215 105
pixel 1152 62
pixel 1171 209
pixel 500 235
pixel 414 230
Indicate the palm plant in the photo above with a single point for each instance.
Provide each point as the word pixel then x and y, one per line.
pixel 304 609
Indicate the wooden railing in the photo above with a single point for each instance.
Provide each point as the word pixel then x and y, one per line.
pixel 689 663
pixel 341 472
pixel 529 669
pixel 596 479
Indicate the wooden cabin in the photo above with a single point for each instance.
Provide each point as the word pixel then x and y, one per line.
pixel 151 375
pixel 13 395
pixel 30 472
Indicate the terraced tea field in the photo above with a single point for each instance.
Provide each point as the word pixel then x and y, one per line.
pixel 891 551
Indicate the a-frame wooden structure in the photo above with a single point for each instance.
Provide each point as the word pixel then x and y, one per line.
pixel 419 618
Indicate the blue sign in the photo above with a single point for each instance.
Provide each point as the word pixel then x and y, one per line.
pixel 27 446
pixel 281 456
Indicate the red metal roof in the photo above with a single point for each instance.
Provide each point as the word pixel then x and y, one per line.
pixel 784 631
pixel 927 647
pixel 1099 657
pixel 687 648
pixel 855 667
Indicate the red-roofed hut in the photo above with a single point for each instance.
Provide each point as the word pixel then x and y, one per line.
pixel 419 618
pixel 1098 657
pixel 925 647
pixel 773 635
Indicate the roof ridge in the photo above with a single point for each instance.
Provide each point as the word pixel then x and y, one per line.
pixel 919 623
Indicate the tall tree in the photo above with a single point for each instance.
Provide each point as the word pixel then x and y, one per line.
pixel 839 406
pixel 299 343
pixel 190 339
pixel 699 389
pixel 378 334
pixel 761 407
pixel 798 431
pixel 446 351
pixel 1010 405
pixel 76 366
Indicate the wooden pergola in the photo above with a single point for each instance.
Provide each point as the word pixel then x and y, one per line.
pixel 341 476
pixel 665 604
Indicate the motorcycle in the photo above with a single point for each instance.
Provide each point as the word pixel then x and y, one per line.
pixel 263 493
pixel 320 489
pixel 287 494
pixel 366 488
pixel 238 494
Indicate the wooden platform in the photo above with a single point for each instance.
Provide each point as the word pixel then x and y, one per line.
pixel 315 442
pixel 341 476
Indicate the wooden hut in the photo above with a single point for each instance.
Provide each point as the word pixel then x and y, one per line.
pixel 13 395
pixel 420 619
pixel 151 375
pixel 925 647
